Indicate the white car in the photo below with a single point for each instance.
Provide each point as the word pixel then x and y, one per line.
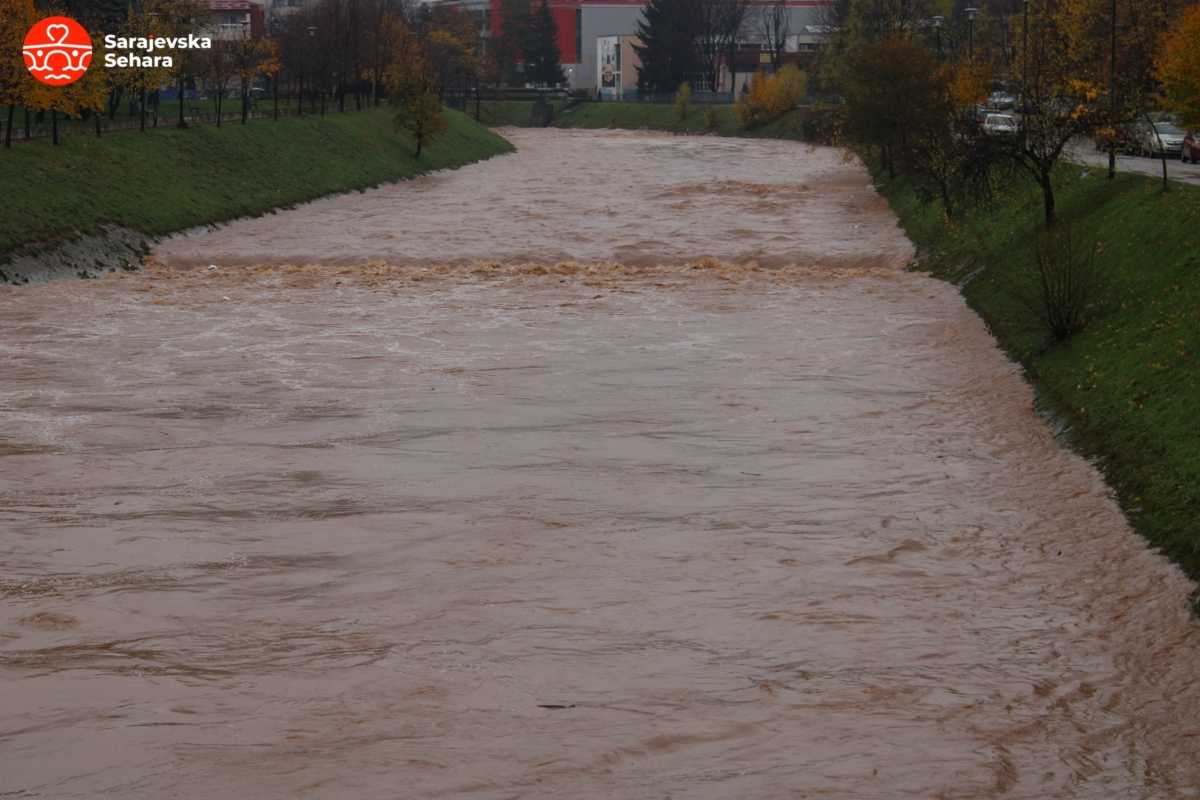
pixel 1001 101
pixel 1164 139
pixel 1000 125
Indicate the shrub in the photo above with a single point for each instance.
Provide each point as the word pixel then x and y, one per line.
pixel 771 96
pixel 683 101
pixel 710 120
pixel 1069 284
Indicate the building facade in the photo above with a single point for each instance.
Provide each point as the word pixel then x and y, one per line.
pixel 236 19
pixel 583 23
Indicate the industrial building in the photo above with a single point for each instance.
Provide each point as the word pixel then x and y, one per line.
pixel 585 27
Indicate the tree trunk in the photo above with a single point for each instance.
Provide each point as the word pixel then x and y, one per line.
pixel 1048 199
pixel 245 105
pixel 99 124
pixel 27 131
pixel 54 126
pixel 220 97
pixel 1166 183
pixel 275 95
pixel 142 113
pixel 182 121
pixel 733 74
pixel 12 112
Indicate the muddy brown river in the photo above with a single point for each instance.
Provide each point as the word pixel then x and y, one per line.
pixel 626 466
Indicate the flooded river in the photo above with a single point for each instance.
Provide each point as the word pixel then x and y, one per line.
pixel 626 466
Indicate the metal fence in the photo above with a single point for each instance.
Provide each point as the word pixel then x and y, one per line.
pixel 41 124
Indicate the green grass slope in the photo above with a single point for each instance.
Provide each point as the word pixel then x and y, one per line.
pixel 167 180
pixel 1129 383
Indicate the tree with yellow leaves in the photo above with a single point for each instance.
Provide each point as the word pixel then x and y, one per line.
pixel 16 17
pixel 89 94
pixel 414 88
pixel 1060 91
pixel 252 58
pixel 771 96
pixel 1179 67
pixel 145 22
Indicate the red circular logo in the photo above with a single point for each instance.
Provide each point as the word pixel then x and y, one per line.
pixel 57 51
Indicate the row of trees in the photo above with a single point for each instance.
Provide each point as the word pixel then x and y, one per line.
pixel 693 40
pixel 335 54
pixel 914 74
pixel 524 49
pixel 101 91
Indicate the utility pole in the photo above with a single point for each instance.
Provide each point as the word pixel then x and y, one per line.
pixel 971 12
pixel 1112 91
pixel 1024 54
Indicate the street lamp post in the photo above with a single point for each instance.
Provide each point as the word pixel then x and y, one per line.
pixel 971 12
pixel 1024 55
pixel 1112 91
pixel 153 15
pixel 937 32
pixel 312 34
pixel 187 21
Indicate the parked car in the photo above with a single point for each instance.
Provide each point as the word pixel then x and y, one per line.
pixel 1159 140
pixel 1001 101
pixel 1000 125
pixel 1190 150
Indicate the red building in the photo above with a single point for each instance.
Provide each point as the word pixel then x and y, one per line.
pixel 581 23
pixel 235 19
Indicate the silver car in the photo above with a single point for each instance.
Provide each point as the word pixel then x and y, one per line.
pixel 1159 140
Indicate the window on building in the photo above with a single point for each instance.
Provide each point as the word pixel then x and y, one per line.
pixel 579 36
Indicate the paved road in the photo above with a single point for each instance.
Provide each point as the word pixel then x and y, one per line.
pixel 1084 153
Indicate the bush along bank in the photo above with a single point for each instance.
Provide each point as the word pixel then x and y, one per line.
pixel 1127 378
pixel 167 180
pixel 802 124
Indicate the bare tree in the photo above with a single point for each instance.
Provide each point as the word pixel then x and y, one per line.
pixel 720 29
pixel 774 26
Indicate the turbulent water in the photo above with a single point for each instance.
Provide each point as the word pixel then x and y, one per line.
pixel 625 466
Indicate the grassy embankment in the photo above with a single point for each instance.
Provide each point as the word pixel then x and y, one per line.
pixel 646 116
pixel 167 180
pixel 1129 383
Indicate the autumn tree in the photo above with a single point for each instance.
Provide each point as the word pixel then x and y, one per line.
pixel 450 49
pixel 1060 98
pixel 383 39
pixel 771 96
pixel 16 17
pixel 1117 54
pixel 218 68
pixel 890 85
pixel 413 89
pixel 946 152
pixel 1178 67
pixel 251 58
pixel 143 22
